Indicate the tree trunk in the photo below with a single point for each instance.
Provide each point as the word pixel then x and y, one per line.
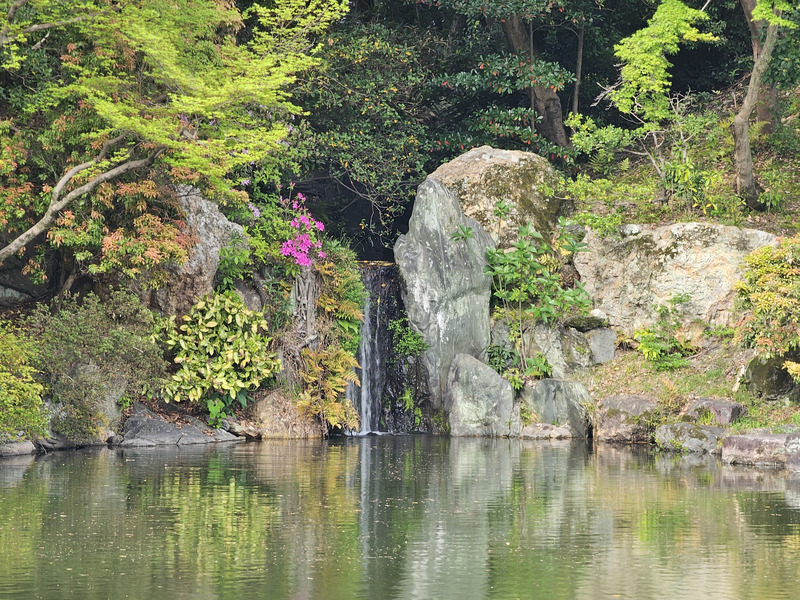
pixel 768 94
pixel 578 69
pixel 746 185
pixel 545 101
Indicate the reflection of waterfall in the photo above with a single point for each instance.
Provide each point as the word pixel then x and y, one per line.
pixel 378 379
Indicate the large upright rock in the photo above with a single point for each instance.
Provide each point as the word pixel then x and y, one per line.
pixel 485 176
pixel 626 278
pixel 193 279
pixel 478 401
pixel 446 293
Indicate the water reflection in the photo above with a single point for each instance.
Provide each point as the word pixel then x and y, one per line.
pixel 395 517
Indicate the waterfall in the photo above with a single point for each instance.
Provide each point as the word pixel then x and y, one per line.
pixel 376 398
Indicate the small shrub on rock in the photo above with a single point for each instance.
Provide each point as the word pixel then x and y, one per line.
pixel 95 354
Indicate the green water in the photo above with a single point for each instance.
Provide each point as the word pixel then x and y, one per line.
pixel 395 517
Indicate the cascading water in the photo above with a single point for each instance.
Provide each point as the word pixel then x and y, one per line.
pixel 379 371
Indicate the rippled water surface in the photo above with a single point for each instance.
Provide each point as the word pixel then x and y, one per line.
pixel 395 517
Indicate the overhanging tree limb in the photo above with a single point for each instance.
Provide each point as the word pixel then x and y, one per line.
pixel 59 203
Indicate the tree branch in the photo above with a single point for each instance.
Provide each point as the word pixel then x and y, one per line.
pixel 58 204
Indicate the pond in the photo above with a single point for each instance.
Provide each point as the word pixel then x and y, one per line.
pixel 395 517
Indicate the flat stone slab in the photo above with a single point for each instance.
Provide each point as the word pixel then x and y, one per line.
pixel 17 448
pixel 545 431
pixel 145 429
pixel 763 449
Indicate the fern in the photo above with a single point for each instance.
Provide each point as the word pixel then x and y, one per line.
pixel 326 374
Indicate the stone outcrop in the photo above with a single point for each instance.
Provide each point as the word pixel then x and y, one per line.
pixel 558 403
pixel 689 437
pixel 485 176
pixel 625 418
pixel 767 378
pixel 21 448
pixel 478 401
pixel 446 293
pixel 144 428
pixel 193 279
pixel 626 278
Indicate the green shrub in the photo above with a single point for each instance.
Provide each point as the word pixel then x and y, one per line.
pixel 770 293
pixel 92 352
pixel 659 343
pixel 223 352
pixel 406 342
pixel 20 395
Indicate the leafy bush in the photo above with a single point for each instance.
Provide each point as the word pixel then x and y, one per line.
pixel 770 292
pixel 405 341
pixel 20 395
pixel 659 344
pixel 92 351
pixel 223 353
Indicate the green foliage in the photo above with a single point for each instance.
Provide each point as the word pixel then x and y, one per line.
pixel 770 295
pixel 222 351
pixel 92 350
pixel 501 358
pixel 405 341
pixel 343 295
pixel 325 374
pixel 235 263
pixel 645 72
pixel 659 344
pixel 172 85
pixel 410 406
pixel 20 395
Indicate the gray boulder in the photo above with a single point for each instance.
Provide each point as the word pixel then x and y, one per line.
pixel 190 281
pixel 446 293
pixel 688 437
pixel 724 412
pixel 545 431
pixel 483 177
pixel 649 265
pixel 625 418
pixel 559 403
pixel 767 378
pixel 275 416
pixel 478 401
pixel 17 448
pixel 144 428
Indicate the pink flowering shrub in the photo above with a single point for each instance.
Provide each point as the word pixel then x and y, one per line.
pixel 305 245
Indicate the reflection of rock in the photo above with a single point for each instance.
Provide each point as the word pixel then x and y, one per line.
pixel 477 399
pixel 14 467
pixel 446 292
pixel 688 437
pixel 485 176
pixel 627 277
pixel 557 402
pixel 625 419
pixel 145 428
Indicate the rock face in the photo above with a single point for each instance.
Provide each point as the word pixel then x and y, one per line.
pixel 625 419
pixel 145 428
pixel 485 176
pixel 626 278
pixel 560 403
pixel 446 293
pixel 479 402
pixel 688 437
pixel 17 448
pixel 194 279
